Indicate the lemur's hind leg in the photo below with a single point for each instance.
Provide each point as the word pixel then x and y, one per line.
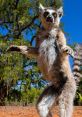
pixel 66 101
pixel 46 101
pixel 65 107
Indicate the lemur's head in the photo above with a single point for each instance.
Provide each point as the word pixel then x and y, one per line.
pixel 50 17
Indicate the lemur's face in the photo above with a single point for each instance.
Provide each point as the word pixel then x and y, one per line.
pixel 50 17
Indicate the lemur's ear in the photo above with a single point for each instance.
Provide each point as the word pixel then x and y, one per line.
pixel 41 7
pixel 60 11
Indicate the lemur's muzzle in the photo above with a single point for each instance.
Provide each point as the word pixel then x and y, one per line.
pixel 49 19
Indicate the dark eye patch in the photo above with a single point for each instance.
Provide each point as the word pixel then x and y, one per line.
pixel 60 14
pixel 55 15
pixel 46 13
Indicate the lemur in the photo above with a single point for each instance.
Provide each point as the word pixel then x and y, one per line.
pixel 51 53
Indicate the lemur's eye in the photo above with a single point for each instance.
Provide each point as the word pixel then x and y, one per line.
pixel 60 14
pixel 46 13
pixel 55 15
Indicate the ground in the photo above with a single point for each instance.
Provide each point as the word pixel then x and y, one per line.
pixel 30 111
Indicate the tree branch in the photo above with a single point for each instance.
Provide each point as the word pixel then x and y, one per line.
pixel 28 25
pixel 5 22
pixel 17 1
pixel 32 39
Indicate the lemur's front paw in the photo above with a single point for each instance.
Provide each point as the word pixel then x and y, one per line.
pixel 67 50
pixel 21 49
pixel 13 48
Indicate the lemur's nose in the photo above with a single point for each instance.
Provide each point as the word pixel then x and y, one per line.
pixel 49 18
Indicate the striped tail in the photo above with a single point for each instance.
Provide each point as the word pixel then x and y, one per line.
pixel 77 68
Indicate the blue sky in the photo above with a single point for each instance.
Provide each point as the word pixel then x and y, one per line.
pixel 73 20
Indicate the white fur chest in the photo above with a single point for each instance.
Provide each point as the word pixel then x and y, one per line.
pixel 47 55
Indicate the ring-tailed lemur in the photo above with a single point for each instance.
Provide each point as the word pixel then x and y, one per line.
pixel 51 53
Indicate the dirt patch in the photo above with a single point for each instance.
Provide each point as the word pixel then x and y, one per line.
pixel 18 111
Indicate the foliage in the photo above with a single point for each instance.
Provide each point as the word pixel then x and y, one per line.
pixel 78 99
pixel 17 97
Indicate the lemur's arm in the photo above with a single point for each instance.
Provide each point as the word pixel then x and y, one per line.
pixel 63 47
pixel 31 52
